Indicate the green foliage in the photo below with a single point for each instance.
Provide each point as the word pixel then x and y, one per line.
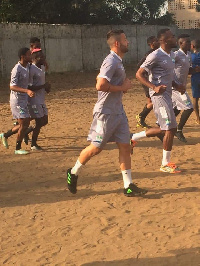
pixel 84 11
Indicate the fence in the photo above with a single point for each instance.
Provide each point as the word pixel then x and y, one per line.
pixel 73 47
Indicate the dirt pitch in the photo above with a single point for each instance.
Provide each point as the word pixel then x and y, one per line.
pixel 43 224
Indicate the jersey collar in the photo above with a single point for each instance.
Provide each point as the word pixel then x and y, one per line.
pixel 112 52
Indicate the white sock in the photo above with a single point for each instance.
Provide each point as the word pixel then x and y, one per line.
pixel 139 135
pixel 127 178
pixel 166 157
pixel 76 168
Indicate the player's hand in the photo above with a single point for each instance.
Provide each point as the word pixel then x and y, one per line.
pixel 197 69
pixel 181 88
pixel 126 85
pixel 160 89
pixel 30 93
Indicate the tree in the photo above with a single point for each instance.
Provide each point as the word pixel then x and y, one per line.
pixel 85 11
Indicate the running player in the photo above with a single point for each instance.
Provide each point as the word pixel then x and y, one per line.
pixel 36 44
pixel 182 101
pixel 195 78
pixel 160 65
pixel 109 119
pixel 37 106
pixel 19 99
pixel 154 44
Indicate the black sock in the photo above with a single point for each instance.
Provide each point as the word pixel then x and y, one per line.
pixel 145 112
pixel 33 142
pixel 18 145
pixel 184 117
pixel 9 133
pixel 176 111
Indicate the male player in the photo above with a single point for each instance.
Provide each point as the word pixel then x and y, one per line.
pixel 160 66
pixel 195 78
pixel 109 119
pixel 154 44
pixel 34 43
pixel 37 106
pixel 182 101
pixel 19 99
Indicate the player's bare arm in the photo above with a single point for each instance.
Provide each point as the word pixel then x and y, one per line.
pixel 141 75
pixel 19 89
pixel 179 87
pixel 104 85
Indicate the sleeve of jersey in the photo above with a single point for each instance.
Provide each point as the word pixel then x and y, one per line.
pixel 107 70
pixel 149 62
pixel 14 77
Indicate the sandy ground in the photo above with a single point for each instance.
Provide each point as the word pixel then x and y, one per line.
pixel 43 224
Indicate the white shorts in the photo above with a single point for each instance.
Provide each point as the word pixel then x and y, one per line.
pixel 109 128
pixel 181 101
pixel 163 109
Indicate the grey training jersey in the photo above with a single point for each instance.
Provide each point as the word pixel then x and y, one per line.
pixel 37 78
pixel 182 65
pixel 160 67
pixel 112 69
pixel 20 78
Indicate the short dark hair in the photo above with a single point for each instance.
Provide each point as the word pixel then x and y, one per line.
pixel 151 39
pixel 114 33
pixel 22 51
pixel 34 39
pixel 36 54
pixel 182 36
pixel 196 43
pixel 161 33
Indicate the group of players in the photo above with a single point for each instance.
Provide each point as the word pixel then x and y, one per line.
pixel 163 74
pixel 27 96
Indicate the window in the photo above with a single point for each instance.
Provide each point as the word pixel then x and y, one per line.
pixel 192 4
pixel 180 24
pixel 176 4
pixel 194 24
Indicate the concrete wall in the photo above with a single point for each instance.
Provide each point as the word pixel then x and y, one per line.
pixel 73 47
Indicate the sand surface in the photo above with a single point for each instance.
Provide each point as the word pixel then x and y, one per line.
pixel 43 224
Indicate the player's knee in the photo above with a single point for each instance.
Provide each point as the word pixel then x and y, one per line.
pixel 125 148
pixel 45 121
pixel 95 150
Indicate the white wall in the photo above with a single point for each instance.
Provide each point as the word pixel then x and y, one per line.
pixel 73 47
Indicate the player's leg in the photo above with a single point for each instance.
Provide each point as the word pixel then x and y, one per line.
pixel 196 109
pixel 146 110
pixel 23 125
pixel 99 135
pixel 36 132
pixel 182 102
pixel 121 137
pixel 4 136
pixel 196 96
pixel 167 121
pixel 40 114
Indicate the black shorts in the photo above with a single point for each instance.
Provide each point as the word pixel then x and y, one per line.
pixel 146 91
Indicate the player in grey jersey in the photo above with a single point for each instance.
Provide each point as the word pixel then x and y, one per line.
pixel 160 66
pixel 182 69
pixel 19 99
pixel 109 119
pixel 36 105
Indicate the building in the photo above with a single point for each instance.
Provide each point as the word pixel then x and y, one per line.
pixel 185 13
